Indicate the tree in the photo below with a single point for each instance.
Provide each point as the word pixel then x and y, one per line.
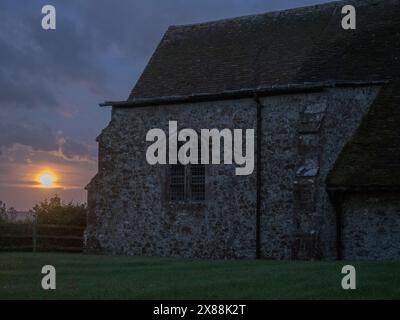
pixel 3 212
pixel 54 211
pixel 11 214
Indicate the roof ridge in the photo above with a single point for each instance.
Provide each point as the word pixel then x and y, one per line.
pixel 273 13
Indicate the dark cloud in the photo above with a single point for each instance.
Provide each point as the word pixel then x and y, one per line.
pixel 94 41
pixel 35 61
pixel 39 137
pixel 42 138
pixel 71 148
pixel 29 93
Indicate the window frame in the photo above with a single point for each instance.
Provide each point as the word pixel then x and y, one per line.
pixel 187 184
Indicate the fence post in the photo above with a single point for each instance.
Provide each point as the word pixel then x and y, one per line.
pixel 34 233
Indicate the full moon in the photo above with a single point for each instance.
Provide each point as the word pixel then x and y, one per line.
pixel 46 180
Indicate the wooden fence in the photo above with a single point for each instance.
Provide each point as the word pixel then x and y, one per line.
pixel 41 237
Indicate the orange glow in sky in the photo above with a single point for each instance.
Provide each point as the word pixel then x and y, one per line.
pixel 47 179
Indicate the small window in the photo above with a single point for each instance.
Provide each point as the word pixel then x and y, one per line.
pixel 197 182
pixel 187 183
pixel 177 182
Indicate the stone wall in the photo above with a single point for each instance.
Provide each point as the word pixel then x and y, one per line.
pixel 302 135
pixel 129 206
pixel 371 227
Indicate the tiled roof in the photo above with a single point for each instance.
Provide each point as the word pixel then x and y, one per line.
pixel 288 47
pixel 372 157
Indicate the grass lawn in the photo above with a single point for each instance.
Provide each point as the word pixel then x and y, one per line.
pixel 110 277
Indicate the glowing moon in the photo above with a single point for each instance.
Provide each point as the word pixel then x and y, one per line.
pixel 46 180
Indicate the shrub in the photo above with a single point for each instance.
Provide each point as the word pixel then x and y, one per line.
pixel 3 212
pixel 54 211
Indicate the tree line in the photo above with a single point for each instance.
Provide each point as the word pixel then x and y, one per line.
pixel 50 211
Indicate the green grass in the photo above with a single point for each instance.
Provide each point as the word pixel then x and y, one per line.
pixel 111 277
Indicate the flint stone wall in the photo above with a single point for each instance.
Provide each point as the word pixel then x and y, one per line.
pixel 371 227
pixel 302 135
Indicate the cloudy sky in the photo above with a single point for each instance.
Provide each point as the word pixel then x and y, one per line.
pixel 52 81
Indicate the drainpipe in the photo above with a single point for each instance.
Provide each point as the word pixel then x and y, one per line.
pixel 258 177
